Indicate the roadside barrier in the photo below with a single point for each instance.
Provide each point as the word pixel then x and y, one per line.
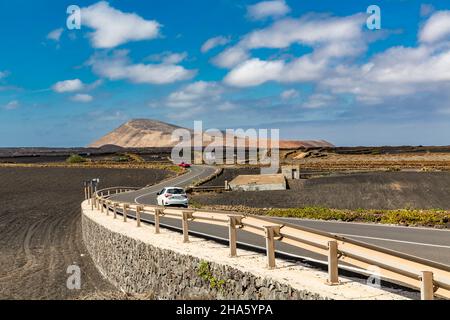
pixel 431 278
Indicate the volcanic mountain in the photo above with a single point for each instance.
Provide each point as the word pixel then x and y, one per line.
pixel 147 133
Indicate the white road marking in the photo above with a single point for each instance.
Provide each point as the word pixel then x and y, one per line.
pixel 393 240
pixel 381 225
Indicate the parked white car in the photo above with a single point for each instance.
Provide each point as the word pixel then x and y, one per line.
pixel 172 196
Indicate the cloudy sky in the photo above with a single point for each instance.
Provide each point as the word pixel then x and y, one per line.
pixel 313 69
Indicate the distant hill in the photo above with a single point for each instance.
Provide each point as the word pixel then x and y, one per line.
pixel 139 133
pixel 148 133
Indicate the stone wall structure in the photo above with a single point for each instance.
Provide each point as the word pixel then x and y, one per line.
pixel 137 260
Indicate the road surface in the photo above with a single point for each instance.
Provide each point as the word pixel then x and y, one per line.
pixel 431 244
pixel 148 195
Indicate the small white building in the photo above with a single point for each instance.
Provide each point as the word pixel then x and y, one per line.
pixel 261 182
pixel 291 172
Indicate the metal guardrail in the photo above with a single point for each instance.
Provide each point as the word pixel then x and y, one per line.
pixel 431 278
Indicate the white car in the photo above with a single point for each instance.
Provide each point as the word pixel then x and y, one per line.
pixel 172 196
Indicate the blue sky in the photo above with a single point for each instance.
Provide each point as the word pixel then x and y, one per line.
pixel 310 68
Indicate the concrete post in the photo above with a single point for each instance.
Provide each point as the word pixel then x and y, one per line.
pixel 426 288
pixel 124 213
pixel 115 210
pixel 158 213
pixel 233 222
pixel 138 216
pixel 186 216
pixel 270 246
pixel 333 276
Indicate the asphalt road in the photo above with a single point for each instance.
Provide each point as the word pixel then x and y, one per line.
pixel 431 244
pixel 148 195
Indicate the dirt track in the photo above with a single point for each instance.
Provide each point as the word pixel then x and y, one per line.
pixel 40 230
pixel 376 190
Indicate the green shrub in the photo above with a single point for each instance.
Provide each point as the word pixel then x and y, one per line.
pixel 75 158
pixel 431 217
pixel 205 273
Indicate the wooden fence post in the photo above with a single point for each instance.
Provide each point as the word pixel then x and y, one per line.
pixel 88 194
pixel 115 210
pixel 124 213
pixel 333 275
pixel 233 222
pixel 426 288
pixel 138 216
pixel 271 232
pixel 158 213
pixel 186 216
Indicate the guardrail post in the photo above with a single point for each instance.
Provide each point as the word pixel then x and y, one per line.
pixel 186 216
pixel 124 213
pixel 138 216
pixel 109 193
pixel 158 213
pixel 333 275
pixel 115 210
pixel 91 195
pixel 271 232
pixel 101 205
pixel 426 288
pixel 233 222
pixel 107 208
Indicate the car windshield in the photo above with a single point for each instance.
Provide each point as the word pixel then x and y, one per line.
pixel 175 191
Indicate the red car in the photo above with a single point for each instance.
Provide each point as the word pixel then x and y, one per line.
pixel 184 165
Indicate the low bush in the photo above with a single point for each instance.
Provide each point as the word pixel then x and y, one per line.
pixel 75 158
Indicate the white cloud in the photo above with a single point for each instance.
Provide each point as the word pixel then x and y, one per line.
pixel 3 74
pixel 319 100
pixel 214 42
pixel 265 9
pixel 437 28
pixel 310 29
pixel 289 94
pixel 231 57
pixel 119 67
pixel 331 38
pixel 12 105
pixel 254 72
pixel 114 27
pixel 169 57
pixel 68 86
pixel 195 94
pixel 398 72
pixel 81 97
pixel 55 35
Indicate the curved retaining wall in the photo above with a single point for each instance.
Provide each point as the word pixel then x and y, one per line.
pixel 138 261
